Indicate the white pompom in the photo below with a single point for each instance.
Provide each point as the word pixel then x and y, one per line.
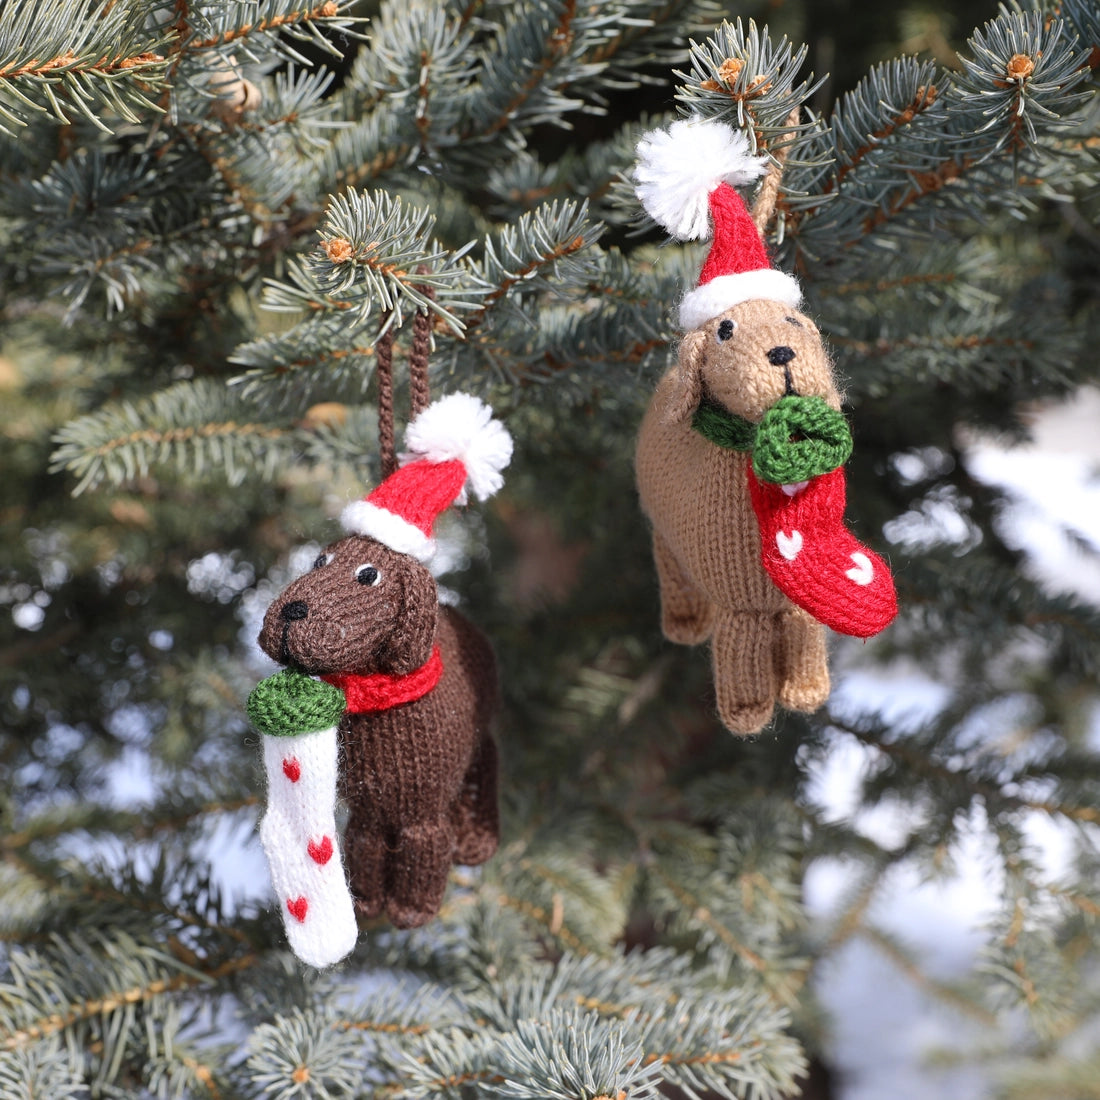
pixel 461 426
pixel 678 168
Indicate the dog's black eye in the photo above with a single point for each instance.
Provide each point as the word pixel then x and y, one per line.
pixel 725 329
pixel 793 321
pixel 367 574
pixel 322 560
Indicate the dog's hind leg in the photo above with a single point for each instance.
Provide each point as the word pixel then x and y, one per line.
pixel 417 872
pixel 803 661
pixel 686 615
pixel 476 816
pixel 745 680
pixel 365 857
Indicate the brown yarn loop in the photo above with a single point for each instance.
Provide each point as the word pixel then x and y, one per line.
pixel 419 394
pixel 419 389
pixel 383 355
pixel 767 197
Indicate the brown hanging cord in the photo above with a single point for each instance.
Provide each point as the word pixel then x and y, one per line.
pixel 383 369
pixel 419 395
pixel 419 392
pixel 768 195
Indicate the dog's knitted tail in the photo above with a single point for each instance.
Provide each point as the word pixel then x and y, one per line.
pixel 298 717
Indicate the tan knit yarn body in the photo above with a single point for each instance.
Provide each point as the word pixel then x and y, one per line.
pixel 706 541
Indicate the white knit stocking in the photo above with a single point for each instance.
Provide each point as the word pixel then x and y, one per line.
pixel 298 834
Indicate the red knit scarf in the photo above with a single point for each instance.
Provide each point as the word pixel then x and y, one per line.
pixel 380 691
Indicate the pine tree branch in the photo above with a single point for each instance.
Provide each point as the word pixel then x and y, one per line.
pixel 1019 963
pixel 995 795
pixel 546 258
pixel 626 35
pixel 441 1084
pixel 851 921
pixel 1086 905
pixel 1086 814
pixel 358 174
pixel 470 11
pixel 154 438
pixel 376 1027
pixel 47 643
pixel 69 63
pixel 609 1009
pixel 327 10
pixel 138 826
pixel 940 991
pixel 711 1058
pixel 882 286
pixel 558 44
pixel 95 891
pixel 552 921
pixel 203 1074
pixel 100 1006
pixel 277 366
pixel 376 256
pixel 865 348
pixel 701 913
pixel 922 184
pixel 54 63
pixel 923 99
pixel 224 170
pixel 740 76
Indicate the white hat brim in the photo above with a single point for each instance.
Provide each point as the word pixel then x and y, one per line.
pixel 726 291
pixel 363 518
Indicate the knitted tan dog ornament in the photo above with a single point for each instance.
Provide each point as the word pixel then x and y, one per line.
pixel 405 694
pixel 739 456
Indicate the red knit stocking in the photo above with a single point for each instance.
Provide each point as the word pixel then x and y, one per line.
pixel 817 562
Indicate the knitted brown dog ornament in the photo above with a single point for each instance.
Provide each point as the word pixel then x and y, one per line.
pixel 404 693
pixel 739 457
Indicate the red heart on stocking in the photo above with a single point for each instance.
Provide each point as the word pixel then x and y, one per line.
pixel 298 908
pixel 320 852
pixel 292 769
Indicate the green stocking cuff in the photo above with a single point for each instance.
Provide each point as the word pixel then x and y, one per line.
pixel 800 438
pixel 291 703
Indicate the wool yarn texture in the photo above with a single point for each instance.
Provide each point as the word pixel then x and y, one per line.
pixel 288 704
pixel 417 692
pixel 380 692
pixel 300 841
pixel 739 454
pixel 817 562
pixel 297 717
pixel 800 438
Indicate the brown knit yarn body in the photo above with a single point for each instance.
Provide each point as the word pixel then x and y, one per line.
pixel 706 543
pixel 420 777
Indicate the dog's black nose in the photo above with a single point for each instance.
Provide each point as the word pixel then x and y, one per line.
pixel 296 609
pixel 780 356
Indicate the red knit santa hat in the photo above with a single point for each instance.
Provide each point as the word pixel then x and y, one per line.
pixel 453 445
pixel 683 177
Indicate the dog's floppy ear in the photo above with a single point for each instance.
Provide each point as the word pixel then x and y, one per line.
pixel 687 389
pixel 410 644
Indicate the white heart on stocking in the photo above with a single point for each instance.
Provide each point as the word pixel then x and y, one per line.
pixel 863 572
pixel 789 545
